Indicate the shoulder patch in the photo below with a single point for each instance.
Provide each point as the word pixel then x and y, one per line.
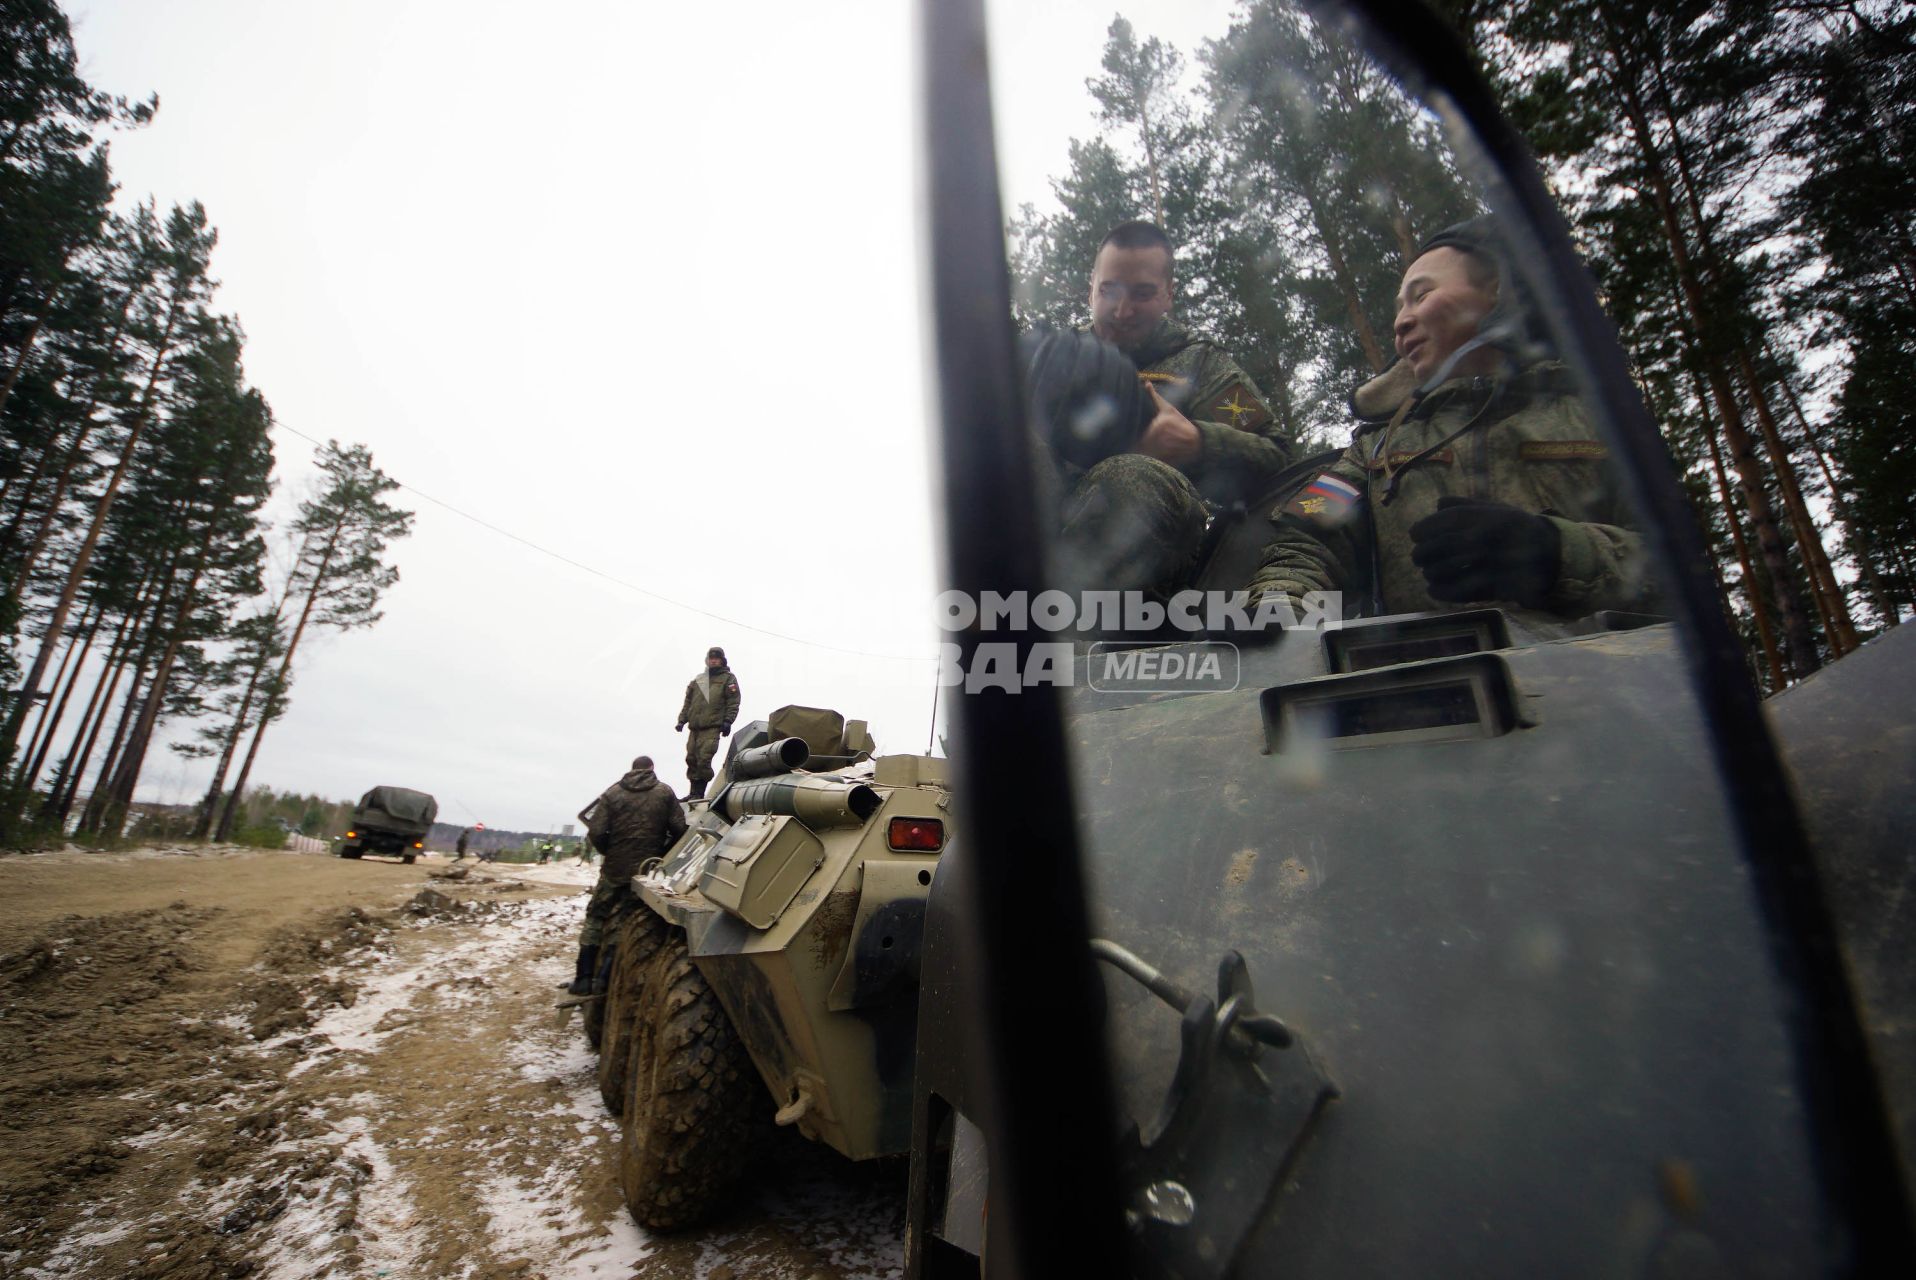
pixel 1237 407
pixel 1562 450
pixel 1326 501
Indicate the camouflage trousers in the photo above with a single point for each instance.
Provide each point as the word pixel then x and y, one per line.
pixel 700 746
pixel 609 903
pixel 1131 523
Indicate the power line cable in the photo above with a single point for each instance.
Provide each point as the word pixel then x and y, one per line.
pixel 621 582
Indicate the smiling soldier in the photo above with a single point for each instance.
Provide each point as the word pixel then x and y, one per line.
pixel 1476 474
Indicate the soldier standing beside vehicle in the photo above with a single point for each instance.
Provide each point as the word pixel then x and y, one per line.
pixel 464 838
pixel 1476 474
pixel 710 707
pixel 636 818
pixel 1136 520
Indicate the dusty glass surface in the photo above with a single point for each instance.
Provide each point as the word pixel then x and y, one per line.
pixel 1391 775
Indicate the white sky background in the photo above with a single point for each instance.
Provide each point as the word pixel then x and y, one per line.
pixel 638 283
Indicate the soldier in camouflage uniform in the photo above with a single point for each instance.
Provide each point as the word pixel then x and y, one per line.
pixel 710 707
pixel 1135 521
pixel 1476 474
pixel 637 818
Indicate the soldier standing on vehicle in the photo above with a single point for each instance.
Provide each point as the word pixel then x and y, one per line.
pixel 636 818
pixel 1136 520
pixel 1476 474
pixel 710 707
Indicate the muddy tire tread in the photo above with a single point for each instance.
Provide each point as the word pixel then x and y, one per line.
pixel 635 941
pixel 695 1109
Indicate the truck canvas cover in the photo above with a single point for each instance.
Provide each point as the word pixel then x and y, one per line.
pixel 397 806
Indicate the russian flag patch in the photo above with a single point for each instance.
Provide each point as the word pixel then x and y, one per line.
pixel 1326 500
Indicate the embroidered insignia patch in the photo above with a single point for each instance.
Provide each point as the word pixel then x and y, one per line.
pixel 1562 450
pixel 1398 457
pixel 1325 500
pixel 1239 408
pixel 1175 390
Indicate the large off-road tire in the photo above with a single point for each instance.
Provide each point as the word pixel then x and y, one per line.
pixel 410 858
pixel 352 853
pixel 695 1110
pixel 635 940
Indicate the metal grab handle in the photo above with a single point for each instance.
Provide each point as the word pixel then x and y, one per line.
pixel 1233 980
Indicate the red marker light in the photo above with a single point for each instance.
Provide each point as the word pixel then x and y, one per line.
pixel 919 835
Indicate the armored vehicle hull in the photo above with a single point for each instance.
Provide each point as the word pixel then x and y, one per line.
pixel 1507 1003
pixel 769 973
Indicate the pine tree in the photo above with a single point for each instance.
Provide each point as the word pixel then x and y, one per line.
pixel 340 572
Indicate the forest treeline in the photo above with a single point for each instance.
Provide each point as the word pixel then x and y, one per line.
pixel 1740 177
pixel 141 581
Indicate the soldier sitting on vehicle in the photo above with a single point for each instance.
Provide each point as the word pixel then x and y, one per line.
pixel 636 818
pixel 1193 434
pixel 710 707
pixel 1476 474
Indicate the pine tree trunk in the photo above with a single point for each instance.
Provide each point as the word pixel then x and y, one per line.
pixel 72 456
pixel 84 558
pixel 1826 592
pixel 279 680
pixel 1759 610
pixel 1340 269
pixel 43 728
pixel 133 760
pixel 60 798
pixel 60 712
pixel 1769 540
pixel 1855 536
pixel 1837 623
pixel 204 823
pixel 26 351
pixel 92 816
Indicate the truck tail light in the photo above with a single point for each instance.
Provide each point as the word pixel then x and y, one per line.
pixel 418 844
pixel 351 834
pixel 919 835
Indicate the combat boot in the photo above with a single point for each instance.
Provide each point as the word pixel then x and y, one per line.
pixel 695 790
pixel 582 972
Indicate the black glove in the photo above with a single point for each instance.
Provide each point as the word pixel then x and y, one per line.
pixel 679 727
pixel 725 731
pixel 1472 549
pixel 1084 396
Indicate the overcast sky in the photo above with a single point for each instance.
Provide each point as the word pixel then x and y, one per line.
pixel 635 283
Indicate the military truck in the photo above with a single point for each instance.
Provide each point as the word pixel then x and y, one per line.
pixel 769 976
pixel 390 820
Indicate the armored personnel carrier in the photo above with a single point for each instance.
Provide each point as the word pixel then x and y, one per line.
pixel 770 975
pixel 390 820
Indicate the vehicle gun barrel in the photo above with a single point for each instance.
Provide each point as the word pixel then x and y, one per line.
pixel 818 802
pixel 781 756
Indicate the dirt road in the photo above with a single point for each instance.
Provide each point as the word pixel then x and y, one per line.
pixel 224 1062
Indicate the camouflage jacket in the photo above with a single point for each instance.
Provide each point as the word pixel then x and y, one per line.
pixel 1240 447
pixel 638 818
pixel 1528 443
pixel 711 700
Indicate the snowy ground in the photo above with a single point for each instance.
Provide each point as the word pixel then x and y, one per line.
pixel 381 1093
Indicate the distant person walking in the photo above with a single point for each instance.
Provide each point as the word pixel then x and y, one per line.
pixel 636 818
pixel 465 837
pixel 710 707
